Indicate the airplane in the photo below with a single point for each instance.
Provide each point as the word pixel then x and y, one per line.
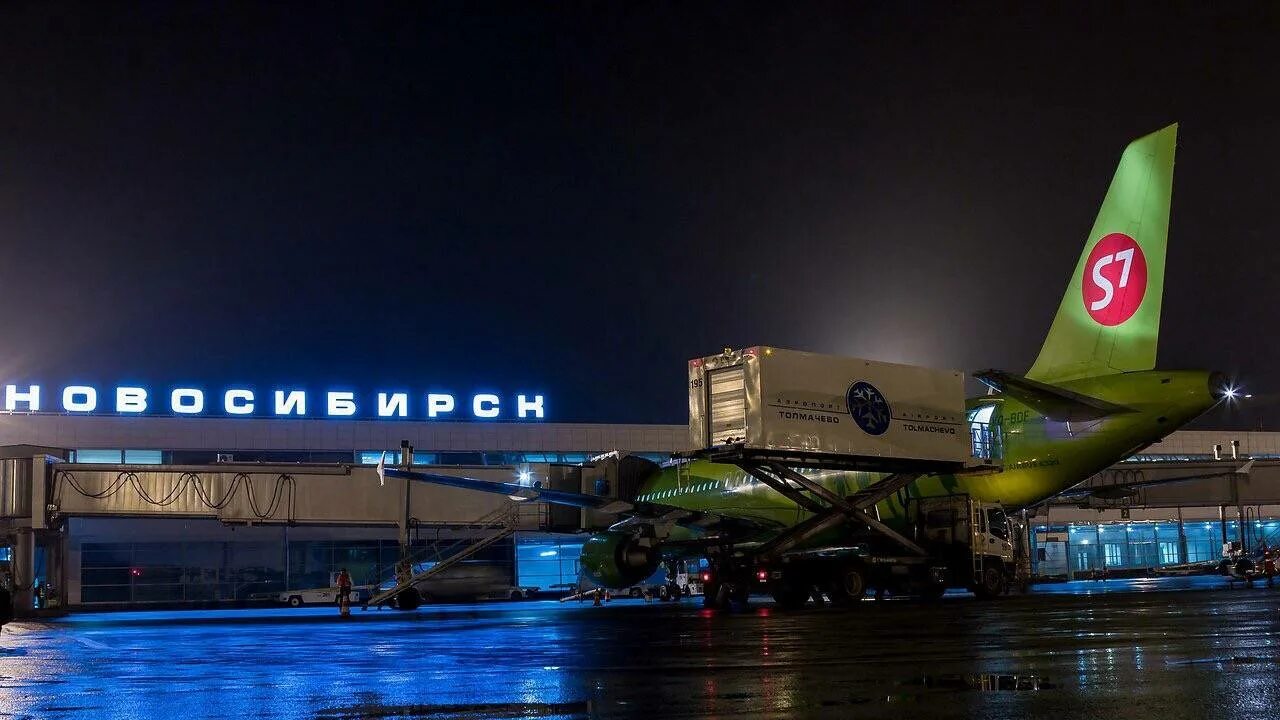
pixel 1091 398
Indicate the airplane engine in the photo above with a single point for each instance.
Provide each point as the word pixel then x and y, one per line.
pixel 618 560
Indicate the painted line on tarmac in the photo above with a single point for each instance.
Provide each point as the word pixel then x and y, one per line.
pixel 93 644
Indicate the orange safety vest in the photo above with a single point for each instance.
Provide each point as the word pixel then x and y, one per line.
pixel 344 580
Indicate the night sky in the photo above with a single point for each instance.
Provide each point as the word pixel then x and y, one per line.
pixel 578 198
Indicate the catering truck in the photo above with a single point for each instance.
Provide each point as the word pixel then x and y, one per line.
pixel 842 445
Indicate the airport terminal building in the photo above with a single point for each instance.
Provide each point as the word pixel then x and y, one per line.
pixel 308 502
pixel 191 508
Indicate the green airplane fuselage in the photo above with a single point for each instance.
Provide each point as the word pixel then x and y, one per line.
pixel 1041 457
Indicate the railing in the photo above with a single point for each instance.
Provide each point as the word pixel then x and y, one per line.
pixel 434 560
pixel 506 516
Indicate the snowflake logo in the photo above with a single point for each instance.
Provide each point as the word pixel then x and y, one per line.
pixel 869 408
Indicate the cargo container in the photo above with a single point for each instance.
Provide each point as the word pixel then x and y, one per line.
pixel 775 400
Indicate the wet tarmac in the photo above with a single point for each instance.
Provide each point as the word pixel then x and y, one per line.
pixel 1173 648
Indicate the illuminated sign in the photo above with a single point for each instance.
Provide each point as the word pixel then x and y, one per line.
pixel 289 402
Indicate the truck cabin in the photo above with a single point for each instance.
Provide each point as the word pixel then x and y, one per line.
pixel 946 521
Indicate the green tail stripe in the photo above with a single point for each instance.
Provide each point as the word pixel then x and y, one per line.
pixel 1109 319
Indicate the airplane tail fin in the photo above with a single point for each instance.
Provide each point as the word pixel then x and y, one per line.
pixel 1109 318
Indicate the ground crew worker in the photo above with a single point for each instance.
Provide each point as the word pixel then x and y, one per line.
pixel 344 593
pixel 1269 564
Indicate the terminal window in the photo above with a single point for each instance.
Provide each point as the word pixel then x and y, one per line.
pixel 1084 560
pixel 1114 555
pixel 115 457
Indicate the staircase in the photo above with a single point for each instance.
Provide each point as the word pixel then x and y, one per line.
pixel 501 523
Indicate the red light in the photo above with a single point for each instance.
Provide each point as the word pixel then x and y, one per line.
pixel 706 577
pixel 762 575
pixel 136 572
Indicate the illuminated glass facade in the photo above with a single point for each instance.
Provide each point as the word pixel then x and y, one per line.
pixel 216 571
pixel 1086 550
pixel 99 456
pixel 549 563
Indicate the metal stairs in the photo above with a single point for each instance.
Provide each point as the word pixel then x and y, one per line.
pixel 503 522
pixel 977 526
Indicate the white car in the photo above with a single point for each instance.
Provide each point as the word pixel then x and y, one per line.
pixel 322 596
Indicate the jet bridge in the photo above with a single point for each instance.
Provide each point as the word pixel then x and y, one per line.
pixel 39 493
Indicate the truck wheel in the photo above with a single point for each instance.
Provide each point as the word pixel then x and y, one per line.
pixel 710 594
pixel 848 586
pixel 992 584
pixel 722 596
pixel 295 600
pixel 790 596
pixel 634 592
pixel 408 599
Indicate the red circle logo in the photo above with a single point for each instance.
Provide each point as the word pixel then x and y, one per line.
pixel 1115 279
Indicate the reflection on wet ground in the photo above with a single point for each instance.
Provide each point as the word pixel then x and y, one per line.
pixel 982 682
pixel 1130 652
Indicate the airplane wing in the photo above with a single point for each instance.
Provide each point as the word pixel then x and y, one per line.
pixel 1051 401
pixel 515 491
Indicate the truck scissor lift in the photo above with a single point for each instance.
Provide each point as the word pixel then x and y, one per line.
pixel 774 413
